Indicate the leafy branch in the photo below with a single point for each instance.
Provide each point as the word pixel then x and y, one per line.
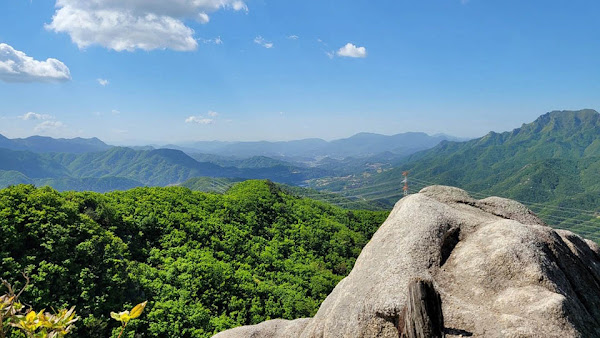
pixel 125 316
pixel 33 324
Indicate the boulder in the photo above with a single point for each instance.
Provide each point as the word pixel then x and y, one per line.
pixel 499 270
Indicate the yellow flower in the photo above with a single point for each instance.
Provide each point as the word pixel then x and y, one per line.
pixel 125 316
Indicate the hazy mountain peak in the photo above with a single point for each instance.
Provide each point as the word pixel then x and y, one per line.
pixel 46 144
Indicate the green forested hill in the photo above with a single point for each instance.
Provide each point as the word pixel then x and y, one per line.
pixel 551 164
pixel 210 184
pixel 151 167
pixel 206 262
pixel 123 168
pixel 30 164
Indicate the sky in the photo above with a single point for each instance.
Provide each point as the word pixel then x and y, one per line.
pixel 175 71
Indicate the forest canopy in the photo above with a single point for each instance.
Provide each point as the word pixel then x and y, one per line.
pixel 205 262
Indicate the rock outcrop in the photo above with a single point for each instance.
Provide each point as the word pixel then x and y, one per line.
pixel 500 272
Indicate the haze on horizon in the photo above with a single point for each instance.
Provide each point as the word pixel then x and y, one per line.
pixel 249 70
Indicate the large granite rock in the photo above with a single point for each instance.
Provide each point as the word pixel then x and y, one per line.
pixel 500 271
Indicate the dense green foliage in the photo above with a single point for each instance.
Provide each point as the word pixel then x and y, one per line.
pixel 551 164
pixel 206 262
pixel 210 184
pixel 220 185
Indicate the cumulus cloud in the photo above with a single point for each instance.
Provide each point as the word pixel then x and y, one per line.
pixel 135 24
pixel 213 113
pixel 16 66
pixel 293 37
pixel 34 116
pixel 103 82
pixel 259 40
pixel 48 125
pixel 199 120
pixel 350 50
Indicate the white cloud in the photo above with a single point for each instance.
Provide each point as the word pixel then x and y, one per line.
pixel 350 50
pixel 48 125
pixel 239 6
pixel 135 24
pixel 16 66
pixel 115 112
pixel 293 37
pixel 199 120
pixel 35 116
pixel 103 82
pixel 259 40
pixel 216 41
pixel 330 54
pixel 213 113
pixel 203 18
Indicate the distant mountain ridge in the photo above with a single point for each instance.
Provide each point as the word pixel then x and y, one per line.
pixel 90 164
pixel 359 145
pixel 44 144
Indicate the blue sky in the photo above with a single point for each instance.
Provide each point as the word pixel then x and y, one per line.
pixel 150 71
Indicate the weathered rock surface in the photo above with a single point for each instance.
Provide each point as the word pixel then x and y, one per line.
pixel 500 271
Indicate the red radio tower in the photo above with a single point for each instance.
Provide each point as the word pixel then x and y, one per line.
pixel 405 181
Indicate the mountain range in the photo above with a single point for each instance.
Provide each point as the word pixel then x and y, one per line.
pixel 122 168
pixel 552 164
pixel 359 145
pixel 90 164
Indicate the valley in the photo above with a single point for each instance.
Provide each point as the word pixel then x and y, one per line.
pixel 552 165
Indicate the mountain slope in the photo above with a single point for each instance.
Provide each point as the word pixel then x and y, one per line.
pixel 552 163
pixel 152 167
pixel 124 168
pixel 30 164
pixel 482 163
